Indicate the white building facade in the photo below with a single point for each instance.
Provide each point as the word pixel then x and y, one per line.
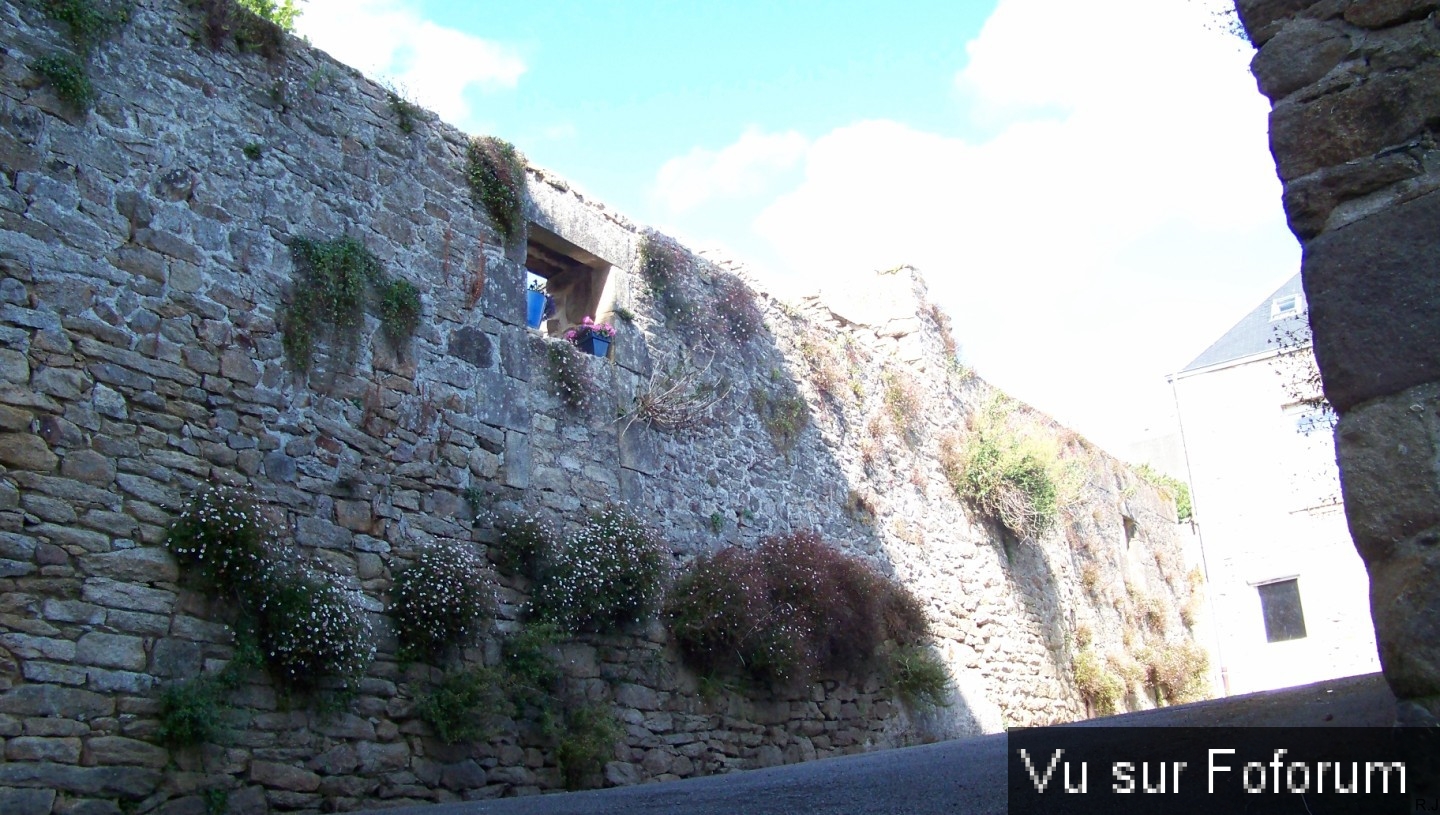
pixel 1290 595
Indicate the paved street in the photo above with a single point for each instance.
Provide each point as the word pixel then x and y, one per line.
pixel 966 776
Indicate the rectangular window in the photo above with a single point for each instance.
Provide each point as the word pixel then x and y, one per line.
pixel 1280 605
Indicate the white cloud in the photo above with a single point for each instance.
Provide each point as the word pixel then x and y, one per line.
pixel 439 66
pixel 1123 182
pixel 741 169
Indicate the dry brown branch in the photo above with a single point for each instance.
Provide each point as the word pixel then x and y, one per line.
pixel 677 397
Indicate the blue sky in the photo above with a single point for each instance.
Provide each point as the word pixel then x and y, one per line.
pixel 1086 186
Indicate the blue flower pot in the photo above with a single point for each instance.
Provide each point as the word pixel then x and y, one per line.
pixel 535 307
pixel 595 345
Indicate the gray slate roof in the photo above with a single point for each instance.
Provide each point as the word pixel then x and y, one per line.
pixel 1253 334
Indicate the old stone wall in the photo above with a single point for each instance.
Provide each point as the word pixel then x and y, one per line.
pixel 1355 88
pixel 144 254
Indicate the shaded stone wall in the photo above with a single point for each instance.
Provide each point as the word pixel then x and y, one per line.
pixel 1355 88
pixel 144 255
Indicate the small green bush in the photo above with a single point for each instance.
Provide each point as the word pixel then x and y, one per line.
pixel 1169 486
pixel 789 608
pixel 588 742
pixel 920 677
pixel 783 412
pixel 90 22
pixel 191 712
pixel 607 576
pixel 399 310
pixel 67 75
pixel 1016 478
pixel 333 284
pixel 496 171
pixel 1101 688
pixel 464 705
pixel 282 13
pixel 1177 671
pixel 440 601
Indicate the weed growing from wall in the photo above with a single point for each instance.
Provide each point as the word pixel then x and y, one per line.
pixel 255 26
pixel 668 270
pixel 904 402
pixel 787 609
pixel 782 411
pixel 919 677
pixel 569 369
pixel 735 304
pixel 1176 671
pixel 605 577
pixel 440 602
pixel 88 23
pixel 335 281
pixel 464 705
pixel 496 171
pixel 67 76
pixel 827 370
pixel 1170 487
pixel 677 397
pixel 193 711
pixel 1101 687
pixel 588 742
pixel 1015 477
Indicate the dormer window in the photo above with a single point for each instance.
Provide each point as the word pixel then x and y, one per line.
pixel 1291 305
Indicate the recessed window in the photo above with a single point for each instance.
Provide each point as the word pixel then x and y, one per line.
pixel 1280 606
pixel 574 277
pixel 1288 306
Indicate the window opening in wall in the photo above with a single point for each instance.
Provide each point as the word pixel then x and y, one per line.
pixel 1280 606
pixel 573 277
pixel 1288 306
pixel 1130 528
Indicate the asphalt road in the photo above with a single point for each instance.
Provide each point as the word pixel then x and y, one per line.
pixel 964 776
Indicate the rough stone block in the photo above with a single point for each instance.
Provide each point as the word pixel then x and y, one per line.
pixel 1300 54
pixel 31 748
pixel 283 776
pixel 1372 287
pixel 111 651
pixel 26 801
pixel 109 750
pixel 1387 111
pixel 1382 13
pixel 26 452
pixel 141 565
pixel 49 700
pixel 88 466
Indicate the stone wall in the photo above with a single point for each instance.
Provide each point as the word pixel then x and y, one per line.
pixel 144 255
pixel 1355 88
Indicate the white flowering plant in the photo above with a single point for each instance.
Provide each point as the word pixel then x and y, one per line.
pixel 221 539
pixel 524 543
pixel 311 630
pixel 607 576
pixel 571 373
pixel 441 601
